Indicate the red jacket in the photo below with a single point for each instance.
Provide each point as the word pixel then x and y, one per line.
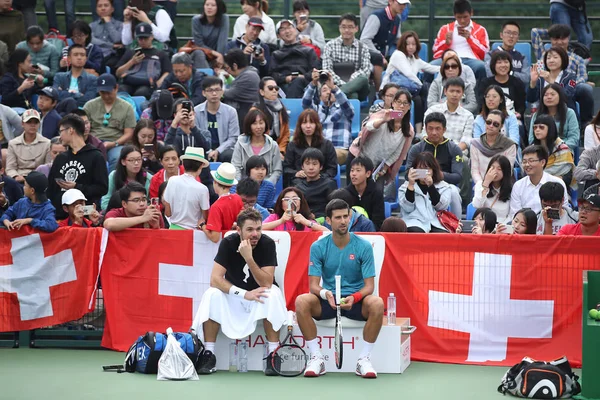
pixel 478 40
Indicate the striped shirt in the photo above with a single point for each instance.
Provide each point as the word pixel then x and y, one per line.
pixel 459 124
pixel 576 63
pixel 336 52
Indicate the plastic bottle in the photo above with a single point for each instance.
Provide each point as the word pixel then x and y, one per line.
pixel 243 357
pixel 233 356
pixel 391 309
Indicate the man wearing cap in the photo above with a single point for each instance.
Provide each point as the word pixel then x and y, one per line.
pixel 185 199
pixel 73 202
pixel 184 74
pixel 112 119
pixel 143 69
pixel 28 151
pixel 589 217
pixel 134 212
pixel 258 52
pixel 292 64
pixel 46 104
pixel 75 84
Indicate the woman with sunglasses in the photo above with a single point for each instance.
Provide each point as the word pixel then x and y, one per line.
pixel 129 169
pixel 560 160
pixel 494 99
pixel 523 223
pixel 144 138
pixel 277 115
pixel 591 136
pixel 485 222
pixel 496 187
pixel 554 103
pixel 258 9
pixel 491 143
pixel 452 68
pixel 291 213
pixel 556 62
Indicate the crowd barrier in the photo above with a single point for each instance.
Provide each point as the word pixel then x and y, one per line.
pixel 478 299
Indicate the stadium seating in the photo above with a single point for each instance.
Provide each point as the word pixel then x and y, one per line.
pixel 523 48
pixel 294 107
pixel 207 71
pixel 470 211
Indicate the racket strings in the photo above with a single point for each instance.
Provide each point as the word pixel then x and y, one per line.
pixel 289 360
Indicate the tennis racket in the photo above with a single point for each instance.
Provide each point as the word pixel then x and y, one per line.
pixel 289 359
pixel 339 337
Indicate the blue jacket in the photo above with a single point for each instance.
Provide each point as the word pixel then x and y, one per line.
pixel 42 214
pixel 13 191
pixel 50 124
pixel 87 87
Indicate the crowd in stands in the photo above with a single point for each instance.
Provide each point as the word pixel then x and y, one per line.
pixel 479 131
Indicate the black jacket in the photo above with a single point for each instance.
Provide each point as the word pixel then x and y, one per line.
pixel 371 201
pixel 195 91
pixel 12 190
pixel 293 58
pixel 10 96
pixel 292 162
pixel 316 193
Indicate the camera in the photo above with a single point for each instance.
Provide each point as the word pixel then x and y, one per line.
pixel 256 50
pixel 323 77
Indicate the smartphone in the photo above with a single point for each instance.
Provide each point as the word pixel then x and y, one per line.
pixel 553 213
pixel 88 210
pixel 60 180
pixel 304 18
pixel 149 147
pixel 421 173
pixel 30 77
pixel 155 202
pixel 187 106
pixel 35 66
pixel 508 229
pixel 540 65
pixel 133 8
pixel 291 206
pixel 295 73
pixel 396 114
pixel 467 226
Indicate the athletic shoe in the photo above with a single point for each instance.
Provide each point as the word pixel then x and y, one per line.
pixel 316 366
pixel 208 363
pixel 365 369
pixel 269 370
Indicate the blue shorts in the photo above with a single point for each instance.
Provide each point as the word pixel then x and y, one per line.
pixel 355 313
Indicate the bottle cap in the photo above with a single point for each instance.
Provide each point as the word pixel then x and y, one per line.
pixel 391 293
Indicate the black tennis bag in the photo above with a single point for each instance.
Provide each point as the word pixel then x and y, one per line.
pixel 541 380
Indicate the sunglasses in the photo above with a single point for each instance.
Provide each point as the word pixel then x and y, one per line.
pixel 106 118
pixel 495 124
pixel 451 66
pixel 271 87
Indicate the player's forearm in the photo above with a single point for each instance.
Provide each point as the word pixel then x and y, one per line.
pixel 220 283
pixel 315 285
pixel 261 277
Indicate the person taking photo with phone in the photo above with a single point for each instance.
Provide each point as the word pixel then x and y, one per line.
pixel 553 215
pixel 134 211
pixel 73 203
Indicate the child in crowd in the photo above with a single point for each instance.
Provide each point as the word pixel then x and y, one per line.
pixel 73 202
pixel 257 169
pixel 315 187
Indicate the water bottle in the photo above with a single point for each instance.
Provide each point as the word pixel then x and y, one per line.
pixel 391 309
pixel 243 357
pixel 233 356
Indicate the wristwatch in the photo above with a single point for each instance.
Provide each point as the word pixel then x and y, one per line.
pixel 201 225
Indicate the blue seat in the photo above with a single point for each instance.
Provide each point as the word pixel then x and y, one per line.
pixel 424 53
pixel 470 211
pixel 279 185
pixel 214 165
pixel 294 107
pixel 207 71
pixel 390 206
pixel 523 48
pixel 18 110
pixel 139 100
pixel 338 178
pixel 356 120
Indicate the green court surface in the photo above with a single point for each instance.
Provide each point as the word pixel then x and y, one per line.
pixel 48 374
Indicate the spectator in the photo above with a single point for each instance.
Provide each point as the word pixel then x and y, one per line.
pixel 256 9
pixel 11 127
pixel 587 170
pixel 525 193
pixel 365 191
pixel 310 32
pixel 555 70
pixel 185 75
pixel 248 190
pixel 144 138
pixel 81 34
pixel 34 209
pixel 495 189
pixel 106 33
pixel 217 119
pixel 523 223
pixel 308 134
pixel 210 31
pixel 10 192
pixel 386 96
pixel 501 67
pixel 27 7
pixel 509 34
pixel 422 198
pixel 129 169
pixel 293 63
pixel 257 169
pixel 494 99
pixel 87 137
pixel 467 38
pixel 591 137
pixel 11 25
pixel 292 213
pixel 29 150
pixel 143 69
pixel 112 119
pixel 81 167
pixel 243 92
pixel 73 202
pixel 551 198
pixel 560 160
pixel 256 51
pixel 335 113
pixel 50 8
pixel 185 199
pixel 485 222
pixel 183 131
pixel 134 212
pixel 56 147
pixel 255 140
pixel 452 69
pixel 278 119
pixel 44 55
pixel 18 84
pixel 169 159
pixel 573 14
pixel 491 143
pixel 316 188
pixel 589 218
pixel 160 100
pixel 358 221
pixel 554 103
pixel 403 68
pixel 77 83
pixel 46 104
pixel 393 224
pixel 145 11
pixel 348 60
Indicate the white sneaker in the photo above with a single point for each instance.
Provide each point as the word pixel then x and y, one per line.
pixel 365 369
pixel 316 366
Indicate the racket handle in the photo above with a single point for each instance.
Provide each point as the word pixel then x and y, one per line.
pixel 338 289
pixel 290 319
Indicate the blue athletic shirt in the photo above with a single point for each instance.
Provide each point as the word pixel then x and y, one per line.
pixel 354 263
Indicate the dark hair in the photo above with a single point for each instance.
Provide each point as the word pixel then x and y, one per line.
pixel 131 187
pixel 283 113
pixel 73 121
pixel 209 81
pixel 304 208
pixel 80 112
pixel 161 189
pixel 435 117
pixel 405 121
pixel 515 23
pixel 498 56
pixel 530 220
pixel 56 140
pixel 248 214
pixel 564 57
pixel 300 5
pixel 76 46
pixel 552 191
pixel 312 153
pixel 17 57
pixel 110 1
pixel 191 165
pixel 363 161
pixel 489 218
pixel 221 9
pixel 498 113
pixel 561 107
pixel 502 106
pixel 299 138
pixel 144 123
pixel 250 118
pixel 262 5
pixel 393 224
pixel 462 6
pixel 596 119
pixel 506 183
pixel 387 87
pixel 547 120
pixel 336 204
pixel 165 149
pixel 34 31
pixel 255 162
pixel 428 160
pixel 83 27
pixel 455 82
pixel 455 58
pixel 539 151
pixel 348 17
pixel 342 194
pixel 247 187
pixel 401 44
pixel 236 56
pixel 559 31
pixel 120 176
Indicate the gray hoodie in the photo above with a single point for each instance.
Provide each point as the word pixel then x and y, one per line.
pixel 422 213
pixel 11 123
pixel 270 152
pixel 244 88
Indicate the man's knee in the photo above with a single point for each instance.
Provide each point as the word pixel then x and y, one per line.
pixel 304 303
pixel 374 306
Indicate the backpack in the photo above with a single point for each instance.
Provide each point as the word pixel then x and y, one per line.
pixel 581 50
pixel 143 73
pixel 541 380
pixel 127 97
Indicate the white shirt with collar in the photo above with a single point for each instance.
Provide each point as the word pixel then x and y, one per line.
pixel 526 195
pixel 459 43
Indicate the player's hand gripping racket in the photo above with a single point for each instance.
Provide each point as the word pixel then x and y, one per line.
pixel 339 339
pixel 289 359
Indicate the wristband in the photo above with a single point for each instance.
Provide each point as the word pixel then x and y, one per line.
pixel 236 291
pixel 357 297
pixel 323 294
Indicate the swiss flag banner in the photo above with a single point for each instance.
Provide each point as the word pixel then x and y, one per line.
pixel 46 279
